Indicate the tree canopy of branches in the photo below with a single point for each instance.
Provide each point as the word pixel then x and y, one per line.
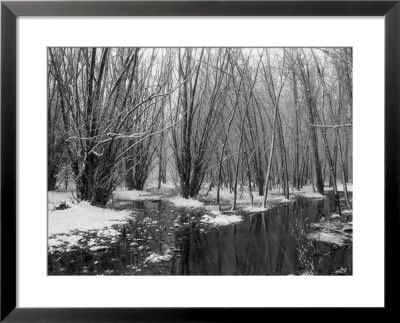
pixel 225 117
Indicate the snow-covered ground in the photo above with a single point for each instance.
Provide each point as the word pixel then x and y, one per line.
pixel 310 195
pixel 134 195
pixel 328 237
pixel 65 227
pixel 243 201
pixel 80 216
pixel 149 192
pixel 334 230
pixel 349 187
pixel 274 197
pixel 221 219
pixel 169 193
pixel 166 193
pixel 156 258
pixel 182 202
pixel 256 209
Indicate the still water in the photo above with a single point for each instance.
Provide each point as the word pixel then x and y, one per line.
pixel 165 240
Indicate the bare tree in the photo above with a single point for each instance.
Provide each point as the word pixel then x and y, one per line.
pixel 274 91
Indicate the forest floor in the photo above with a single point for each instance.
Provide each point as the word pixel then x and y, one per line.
pixel 68 218
pixel 170 193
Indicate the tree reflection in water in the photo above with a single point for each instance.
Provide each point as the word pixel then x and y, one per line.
pixel 270 243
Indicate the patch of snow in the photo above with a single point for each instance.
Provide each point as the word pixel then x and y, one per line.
pixel 341 271
pixel 328 237
pixel 205 218
pixel 285 200
pixel 313 195
pixel 135 195
pixel 63 240
pixel 97 248
pixel 182 202
pixel 244 201
pixel 349 187
pixel 340 187
pixel 81 216
pixel 222 219
pixel 155 258
pixel 254 209
pixel 334 216
pixel 92 242
pixel 215 212
pixel 271 202
pixel 104 233
pixel 212 209
pixel 55 198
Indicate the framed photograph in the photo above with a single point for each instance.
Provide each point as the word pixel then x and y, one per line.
pixel 195 160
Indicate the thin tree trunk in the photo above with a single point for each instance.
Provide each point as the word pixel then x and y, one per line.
pixel 264 204
pixel 285 176
pixel 314 146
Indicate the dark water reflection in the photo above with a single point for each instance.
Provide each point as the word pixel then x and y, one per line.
pixel 264 244
pixel 270 243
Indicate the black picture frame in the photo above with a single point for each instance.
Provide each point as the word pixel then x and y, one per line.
pixel 11 10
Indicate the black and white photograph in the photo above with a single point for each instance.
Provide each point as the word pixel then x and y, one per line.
pixel 199 161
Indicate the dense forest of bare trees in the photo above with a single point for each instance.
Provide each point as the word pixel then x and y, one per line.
pixel 242 119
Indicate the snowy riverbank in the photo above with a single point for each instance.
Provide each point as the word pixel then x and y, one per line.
pixel 80 216
pixel 68 223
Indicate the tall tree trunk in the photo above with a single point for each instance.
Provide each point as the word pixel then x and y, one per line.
pixel 282 149
pixel 264 204
pixel 296 175
pixel 314 147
